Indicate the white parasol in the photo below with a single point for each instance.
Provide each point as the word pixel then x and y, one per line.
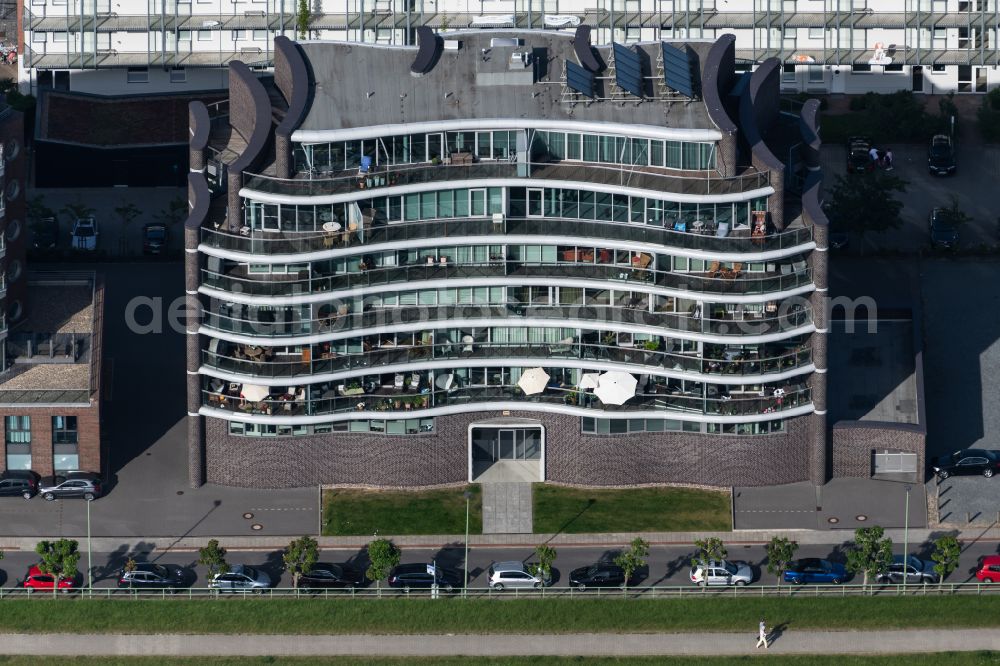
pixel 533 380
pixel 615 388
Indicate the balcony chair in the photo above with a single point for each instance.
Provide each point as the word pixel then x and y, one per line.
pixel 366 164
pixel 398 383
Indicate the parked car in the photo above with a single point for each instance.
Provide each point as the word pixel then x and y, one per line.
pixel 597 575
pixel 941 155
pixel 943 234
pixel 36 580
pixel 408 576
pixel 84 234
pixel 147 575
pixel 45 235
pixel 73 484
pixel 513 574
pixel 967 461
pixel 915 570
pixel 721 573
pixel 154 238
pixel 241 578
pixel 989 569
pixel 18 482
pixel 815 570
pixel 331 575
pixel 858 159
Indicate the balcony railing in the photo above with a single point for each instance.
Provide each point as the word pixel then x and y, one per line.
pixel 319 362
pixel 260 242
pixel 774 400
pixel 585 172
pixel 511 314
pixel 747 284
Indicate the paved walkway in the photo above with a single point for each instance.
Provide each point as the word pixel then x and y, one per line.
pixel 783 642
pixel 507 508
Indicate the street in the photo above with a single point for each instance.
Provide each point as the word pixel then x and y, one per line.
pixel 667 566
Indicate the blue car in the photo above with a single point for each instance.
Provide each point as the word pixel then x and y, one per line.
pixel 815 570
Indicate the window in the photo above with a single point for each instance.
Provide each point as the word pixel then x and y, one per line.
pixel 17 437
pixel 937 69
pixel 861 69
pixel 137 75
pixel 183 35
pixel 817 33
pixel 39 37
pixel 815 75
pixel 178 75
pixel 239 34
pixel 205 35
pixel 895 67
pixel 260 35
pixel 59 37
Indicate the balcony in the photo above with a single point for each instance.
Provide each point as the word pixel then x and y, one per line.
pixel 663 181
pixel 320 360
pixel 739 241
pixel 387 401
pixel 340 320
pixel 732 280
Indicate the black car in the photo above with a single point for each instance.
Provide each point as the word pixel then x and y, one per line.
pixel 331 575
pixel 409 576
pixel 18 482
pixel 147 575
pixel 943 233
pixel 45 234
pixel 597 575
pixel 967 461
pixel 154 238
pixel 74 484
pixel 941 155
pixel 858 158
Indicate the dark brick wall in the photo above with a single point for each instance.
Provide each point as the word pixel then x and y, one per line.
pixel 442 457
pixel 88 423
pixel 855 441
pixel 12 133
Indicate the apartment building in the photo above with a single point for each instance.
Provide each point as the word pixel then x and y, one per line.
pixel 505 253
pixel 825 46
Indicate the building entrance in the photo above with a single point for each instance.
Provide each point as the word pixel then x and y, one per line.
pixel 500 453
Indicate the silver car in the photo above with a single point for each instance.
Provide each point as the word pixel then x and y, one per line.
pixel 721 573
pixel 917 571
pixel 241 578
pixel 504 575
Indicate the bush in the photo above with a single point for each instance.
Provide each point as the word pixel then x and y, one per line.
pixel 898 116
pixel 989 116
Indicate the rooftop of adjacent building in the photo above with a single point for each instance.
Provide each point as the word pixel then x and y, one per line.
pixel 51 352
pixel 873 371
pixel 358 85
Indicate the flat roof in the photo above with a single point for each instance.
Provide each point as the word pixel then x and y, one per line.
pixel 64 310
pixel 873 374
pixel 361 85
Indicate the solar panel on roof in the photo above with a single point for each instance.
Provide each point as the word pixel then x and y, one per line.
pixel 579 79
pixel 677 70
pixel 628 69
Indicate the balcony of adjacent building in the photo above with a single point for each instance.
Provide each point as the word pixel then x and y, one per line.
pixel 511 264
pixel 583 348
pixel 602 309
pixel 460 389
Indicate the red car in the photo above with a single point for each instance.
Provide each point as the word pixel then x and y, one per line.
pixel 989 571
pixel 36 580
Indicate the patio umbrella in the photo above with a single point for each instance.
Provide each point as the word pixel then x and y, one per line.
pixel 444 382
pixel 533 380
pixel 615 388
pixel 254 392
pixel 589 380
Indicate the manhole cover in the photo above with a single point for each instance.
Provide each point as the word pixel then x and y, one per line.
pixel 248 515
pixel 861 518
pixel 833 520
pixel 256 527
pixel 180 492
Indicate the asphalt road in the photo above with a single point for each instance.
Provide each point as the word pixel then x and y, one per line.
pixel 667 566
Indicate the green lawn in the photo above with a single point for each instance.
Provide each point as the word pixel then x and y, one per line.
pixel 349 512
pixel 931 659
pixel 559 509
pixel 455 615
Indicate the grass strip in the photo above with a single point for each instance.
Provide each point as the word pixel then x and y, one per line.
pixel 559 509
pixel 352 512
pixel 929 659
pixel 485 616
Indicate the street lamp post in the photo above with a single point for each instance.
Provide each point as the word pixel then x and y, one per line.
pixel 90 568
pixel 906 538
pixel 465 583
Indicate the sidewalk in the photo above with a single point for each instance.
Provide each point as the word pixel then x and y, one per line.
pixel 736 537
pixel 786 641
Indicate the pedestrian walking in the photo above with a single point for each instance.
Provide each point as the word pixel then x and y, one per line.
pixel 762 635
pixel 873 154
pixel 888 159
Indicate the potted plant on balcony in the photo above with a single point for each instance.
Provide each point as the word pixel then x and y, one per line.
pixel 608 339
pixel 652 345
pixel 571 398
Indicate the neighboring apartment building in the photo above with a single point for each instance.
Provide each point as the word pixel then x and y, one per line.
pixel 505 247
pixel 827 46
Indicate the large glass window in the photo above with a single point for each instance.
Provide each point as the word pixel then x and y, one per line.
pixel 65 451
pixel 17 437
